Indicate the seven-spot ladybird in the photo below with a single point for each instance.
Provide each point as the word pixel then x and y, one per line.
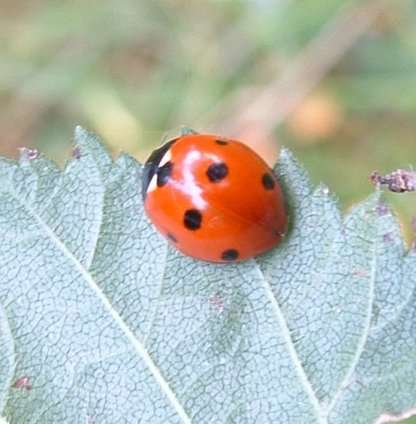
pixel 213 198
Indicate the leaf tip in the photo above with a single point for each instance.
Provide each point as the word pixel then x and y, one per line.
pixel 89 144
pixel 84 137
pixel 287 163
pixel 322 190
pixel 285 154
pixel 80 132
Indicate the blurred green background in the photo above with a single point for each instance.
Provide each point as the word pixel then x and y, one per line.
pixel 134 71
pixel 333 80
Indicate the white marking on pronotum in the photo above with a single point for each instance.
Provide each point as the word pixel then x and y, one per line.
pixel 166 158
pixel 153 184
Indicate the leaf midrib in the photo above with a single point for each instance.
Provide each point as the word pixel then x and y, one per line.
pixel 137 344
pixel 292 351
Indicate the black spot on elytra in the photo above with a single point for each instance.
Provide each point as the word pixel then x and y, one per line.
pixel 192 219
pixel 152 164
pixel 229 255
pixel 163 173
pixel 268 182
pixel 221 142
pixel 217 171
pixel 171 237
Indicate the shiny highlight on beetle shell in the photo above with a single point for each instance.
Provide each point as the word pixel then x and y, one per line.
pixel 214 199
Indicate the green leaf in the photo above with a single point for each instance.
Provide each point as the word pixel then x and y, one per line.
pixel 110 324
pixel 7 358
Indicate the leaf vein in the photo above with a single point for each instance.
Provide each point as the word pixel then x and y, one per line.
pixel 293 354
pixel 137 344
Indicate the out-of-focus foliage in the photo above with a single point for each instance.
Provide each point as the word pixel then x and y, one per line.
pixel 132 70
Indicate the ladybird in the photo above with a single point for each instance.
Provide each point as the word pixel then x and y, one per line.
pixel 213 198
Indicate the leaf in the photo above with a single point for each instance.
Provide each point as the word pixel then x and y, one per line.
pixel 109 324
pixel 7 358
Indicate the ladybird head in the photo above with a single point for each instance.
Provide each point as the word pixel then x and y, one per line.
pixel 154 169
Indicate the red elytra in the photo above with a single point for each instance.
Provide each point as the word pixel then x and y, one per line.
pixel 213 198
